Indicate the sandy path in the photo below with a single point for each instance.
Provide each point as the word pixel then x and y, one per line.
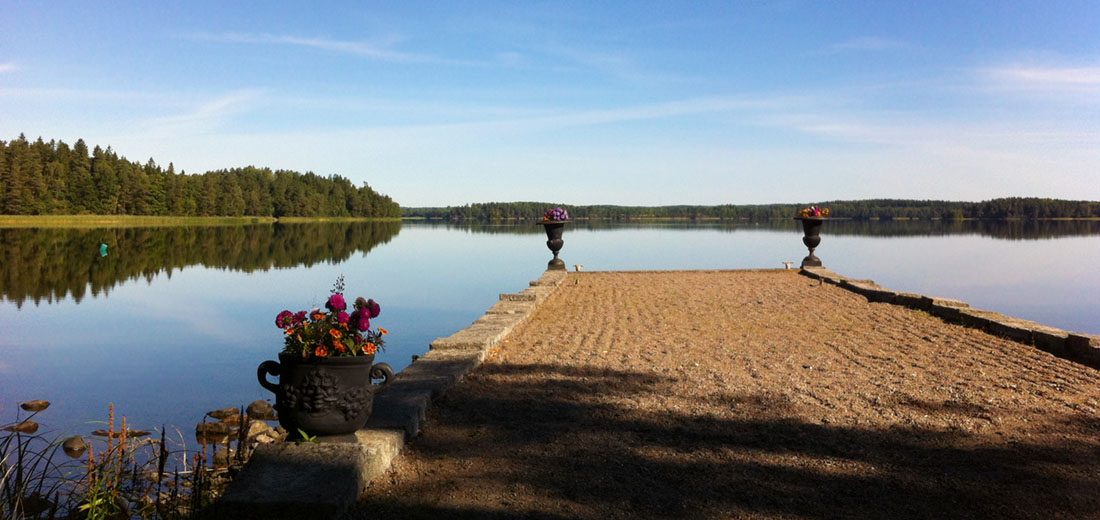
pixel 751 394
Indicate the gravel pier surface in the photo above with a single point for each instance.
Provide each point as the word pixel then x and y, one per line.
pixel 750 394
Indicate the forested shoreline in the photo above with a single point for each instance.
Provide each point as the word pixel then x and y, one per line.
pixel 884 209
pixel 52 178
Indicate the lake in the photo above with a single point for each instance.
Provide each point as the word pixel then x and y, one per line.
pixel 173 321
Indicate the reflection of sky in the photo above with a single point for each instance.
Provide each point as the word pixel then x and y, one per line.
pixel 167 350
pixel 1052 281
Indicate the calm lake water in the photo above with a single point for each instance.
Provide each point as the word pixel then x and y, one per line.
pixel 174 321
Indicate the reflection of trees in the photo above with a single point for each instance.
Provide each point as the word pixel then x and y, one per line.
pixel 52 263
pixel 1001 229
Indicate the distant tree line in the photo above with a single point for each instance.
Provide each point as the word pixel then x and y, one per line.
pixel 52 178
pixel 884 209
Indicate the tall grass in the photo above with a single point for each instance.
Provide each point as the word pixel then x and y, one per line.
pixel 115 474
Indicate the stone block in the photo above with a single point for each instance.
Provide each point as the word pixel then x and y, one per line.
pixel 1051 340
pixel 946 312
pixel 401 407
pixel 519 297
pixel 381 446
pixel 296 481
pixel 1011 328
pixel 553 278
pixel 930 301
pixel 512 307
pixel 911 300
pixel 1084 347
pixel 452 343
pixel 505 322
pixel 438 371
pixel 976 318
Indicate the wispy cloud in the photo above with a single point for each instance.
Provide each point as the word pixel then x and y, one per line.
pixel 619 64
pixel 381 51
pixel 868 43
pixel 207 115
pixel 7 67
pixel 1069 76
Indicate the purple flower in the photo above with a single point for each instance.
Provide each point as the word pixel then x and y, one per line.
pixel 360 302
pixel 284 320
pixel 373 308
pixel 299 318
pixel 364 322
pixel 342 318
pixel 336 303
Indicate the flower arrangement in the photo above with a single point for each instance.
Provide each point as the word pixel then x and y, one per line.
pixel 814 212
pixel 335 333
pixel 555 214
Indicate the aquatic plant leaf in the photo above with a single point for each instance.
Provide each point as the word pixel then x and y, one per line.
pixel 23 427
pixel 35 406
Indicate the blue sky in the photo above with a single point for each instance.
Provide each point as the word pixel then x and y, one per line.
pixel 446 103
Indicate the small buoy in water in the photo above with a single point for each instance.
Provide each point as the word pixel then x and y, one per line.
pixel 102 249
pixel 788 264
pixel 578 267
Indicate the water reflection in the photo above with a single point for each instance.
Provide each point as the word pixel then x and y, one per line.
pixel 49 264
pixel 998 229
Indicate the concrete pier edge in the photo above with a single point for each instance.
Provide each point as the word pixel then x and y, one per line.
pixel 322 480
pixel 1074 346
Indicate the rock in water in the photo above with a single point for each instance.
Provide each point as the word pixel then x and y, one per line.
pixel 223 413
pixel 74 446
pixel 35 406
pixel 261 410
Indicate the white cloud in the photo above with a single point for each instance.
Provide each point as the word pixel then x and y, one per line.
pixel 7 67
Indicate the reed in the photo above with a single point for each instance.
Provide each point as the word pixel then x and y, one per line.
pixel 117 473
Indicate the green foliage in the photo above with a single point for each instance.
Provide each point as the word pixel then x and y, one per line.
pixel 52 179
pixel 305 437
pixel 882 209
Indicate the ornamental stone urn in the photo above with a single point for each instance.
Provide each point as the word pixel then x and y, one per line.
pixel 811 229
pixel 324 396
pixel 554 229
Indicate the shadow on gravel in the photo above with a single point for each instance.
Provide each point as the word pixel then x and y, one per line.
pixel 559 438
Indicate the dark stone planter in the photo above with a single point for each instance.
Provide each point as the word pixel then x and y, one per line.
pixel 554 229
pixel 811 229
pixel 326 396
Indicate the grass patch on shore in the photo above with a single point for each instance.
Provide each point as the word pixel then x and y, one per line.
pixel 29 221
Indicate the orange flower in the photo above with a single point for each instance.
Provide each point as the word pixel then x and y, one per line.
pixel 289 332
pixel 318 317
pixel 370 348
pixel 383 331
pixel 335 333
pixel 321 351
pixel 341 348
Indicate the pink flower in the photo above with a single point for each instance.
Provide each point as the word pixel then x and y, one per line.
pixel 284 320
pixel 336 303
